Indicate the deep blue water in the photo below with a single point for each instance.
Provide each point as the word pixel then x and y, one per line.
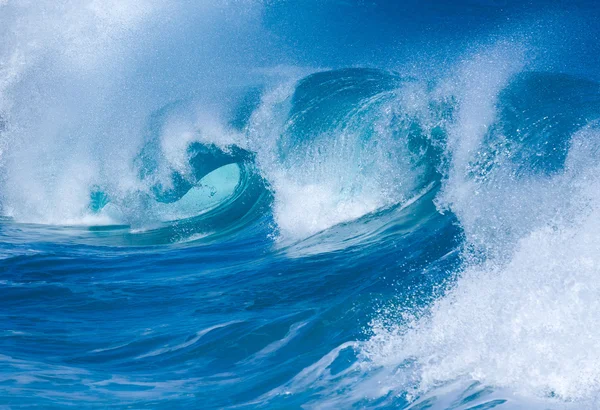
pixel 299 204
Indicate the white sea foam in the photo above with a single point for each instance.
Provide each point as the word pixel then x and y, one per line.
pixel 341 175
pixel 526 320
pixel 79 80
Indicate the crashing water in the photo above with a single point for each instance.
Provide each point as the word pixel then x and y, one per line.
pixel 299 204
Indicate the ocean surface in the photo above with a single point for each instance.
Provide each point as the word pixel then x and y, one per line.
pixel 286 204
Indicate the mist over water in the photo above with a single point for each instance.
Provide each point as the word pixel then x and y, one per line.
pixel 285 204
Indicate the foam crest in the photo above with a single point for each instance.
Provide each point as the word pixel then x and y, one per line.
pixel 526 318
pixel 79 80
pixel 59 69
pixel 530 325
pixel 475 85
pixel 322 177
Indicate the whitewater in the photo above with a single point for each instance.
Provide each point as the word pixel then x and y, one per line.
pixel 299 204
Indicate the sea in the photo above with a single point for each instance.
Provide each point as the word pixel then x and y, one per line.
pixel 300 204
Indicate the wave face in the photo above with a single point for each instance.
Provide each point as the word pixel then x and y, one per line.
pixel 299 204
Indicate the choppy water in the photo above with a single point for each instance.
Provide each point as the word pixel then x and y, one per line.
pixel 299 204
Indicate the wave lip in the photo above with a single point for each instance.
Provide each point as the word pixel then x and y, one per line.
pixel 339 144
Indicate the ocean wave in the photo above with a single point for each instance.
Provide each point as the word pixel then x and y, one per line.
pixel 219 204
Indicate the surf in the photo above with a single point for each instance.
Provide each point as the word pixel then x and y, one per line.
pixel 221 204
